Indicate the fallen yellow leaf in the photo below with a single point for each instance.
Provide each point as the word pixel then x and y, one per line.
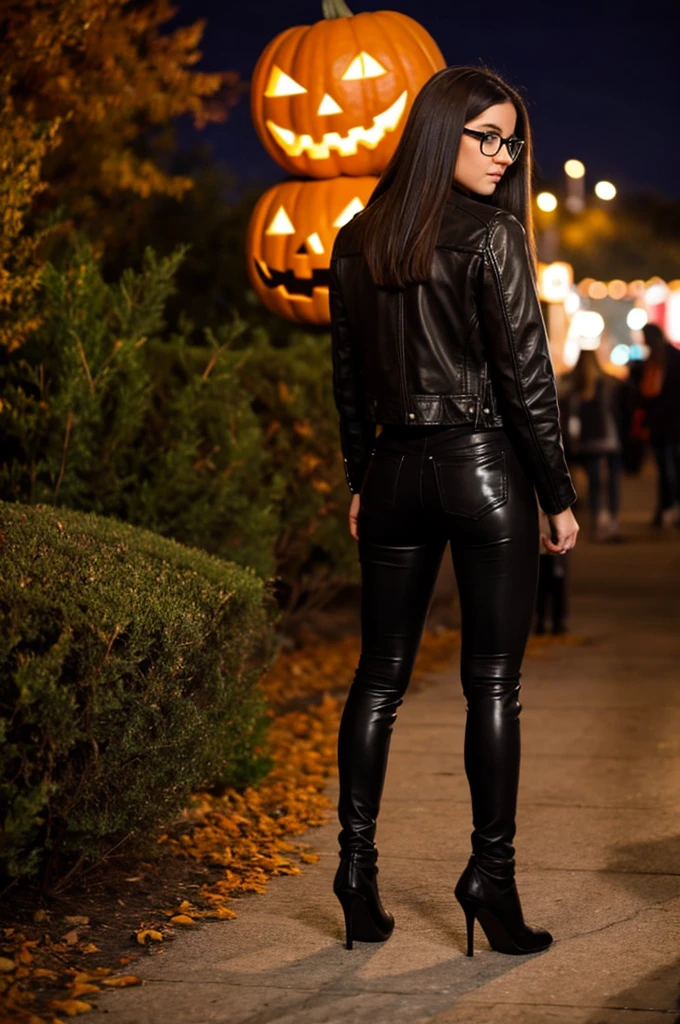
pixel 91 975
pixel 82 988
pixel 71 1007
pixel 149 933
pixel 222 913
pixel 123 981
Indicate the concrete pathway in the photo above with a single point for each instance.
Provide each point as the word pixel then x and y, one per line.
pixel 598 846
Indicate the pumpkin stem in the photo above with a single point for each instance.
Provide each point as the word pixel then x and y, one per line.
pixel 336 9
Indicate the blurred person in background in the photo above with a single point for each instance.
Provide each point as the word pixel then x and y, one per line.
pixel 635 435
pixel 592 404
pixel 659 397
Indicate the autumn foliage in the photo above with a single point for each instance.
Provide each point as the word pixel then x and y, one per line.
pixel 106 68
pixel 83 84
pixel 23 147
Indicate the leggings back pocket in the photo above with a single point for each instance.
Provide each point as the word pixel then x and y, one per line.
pixel 471 484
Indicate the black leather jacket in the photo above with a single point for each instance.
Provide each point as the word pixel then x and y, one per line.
pixel 468 346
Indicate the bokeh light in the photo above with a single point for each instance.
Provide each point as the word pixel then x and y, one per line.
pixel 597 290
pixel 620 354
pixel 572 301
pixel 636 319
pixel 574 169
pixel 546 201
pixel 586 327
pixel 617 289
pixel 656 293
pixel 605 190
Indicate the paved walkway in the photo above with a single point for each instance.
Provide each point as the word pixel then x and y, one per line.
pixel 598 846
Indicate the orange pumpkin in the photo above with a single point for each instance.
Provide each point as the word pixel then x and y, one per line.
pixel 332 98
pixel 289 241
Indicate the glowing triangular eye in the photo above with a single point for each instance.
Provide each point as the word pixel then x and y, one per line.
pixel 281 224
pixel 329 106
pixel 281 84
pixel 352 208
pixel 315 243
pixel 364 66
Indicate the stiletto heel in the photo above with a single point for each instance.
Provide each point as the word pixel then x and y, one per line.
pixel 348 907
pixel 470 922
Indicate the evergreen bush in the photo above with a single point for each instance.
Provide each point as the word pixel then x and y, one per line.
pixel 128 679
pixel 101 412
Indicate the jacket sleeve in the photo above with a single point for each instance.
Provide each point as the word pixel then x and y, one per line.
pixel 356 433
pixel 520 366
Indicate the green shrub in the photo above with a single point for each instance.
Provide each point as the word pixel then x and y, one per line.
pixel 101 412
pixel 128 672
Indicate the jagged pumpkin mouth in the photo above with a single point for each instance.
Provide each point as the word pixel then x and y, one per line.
pixel 345 145
pixel 293 287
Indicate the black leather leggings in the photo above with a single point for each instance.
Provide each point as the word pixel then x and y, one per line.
pixel 425 488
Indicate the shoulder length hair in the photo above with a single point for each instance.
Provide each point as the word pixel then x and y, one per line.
pixel 400 223
pixel 587 370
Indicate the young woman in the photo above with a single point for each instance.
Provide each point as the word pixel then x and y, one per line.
pixel 437 335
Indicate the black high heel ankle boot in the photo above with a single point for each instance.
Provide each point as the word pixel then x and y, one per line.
pixel 363 745
pixel 486 889
pixel 356 887
pixel 497 907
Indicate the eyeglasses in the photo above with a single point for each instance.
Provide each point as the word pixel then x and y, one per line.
pixel 491 142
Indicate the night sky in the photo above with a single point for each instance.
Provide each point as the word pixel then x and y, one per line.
pixel 601 80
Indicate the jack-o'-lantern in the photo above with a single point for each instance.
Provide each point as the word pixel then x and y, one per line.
pixel 332 98
pixel 289 241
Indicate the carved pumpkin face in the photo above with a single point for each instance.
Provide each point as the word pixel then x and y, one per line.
pixel 332 98
pixel 289 241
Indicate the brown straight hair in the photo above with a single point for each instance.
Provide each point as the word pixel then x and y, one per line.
pixel 586 370
pixel 400 222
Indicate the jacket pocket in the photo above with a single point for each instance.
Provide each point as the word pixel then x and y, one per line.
pixel 471 485
pixel 379 487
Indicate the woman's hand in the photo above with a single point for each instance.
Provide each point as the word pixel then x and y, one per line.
pixel 565 528
pixel 353 513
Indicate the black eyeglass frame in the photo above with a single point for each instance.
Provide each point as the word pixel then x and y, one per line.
pixel 511 138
